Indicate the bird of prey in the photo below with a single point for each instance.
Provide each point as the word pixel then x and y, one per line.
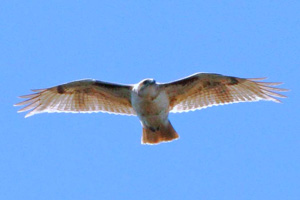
pixel 150 101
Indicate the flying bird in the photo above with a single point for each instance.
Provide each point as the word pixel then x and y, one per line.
pixel 150 101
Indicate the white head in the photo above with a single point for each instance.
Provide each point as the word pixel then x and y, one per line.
pixel 147 88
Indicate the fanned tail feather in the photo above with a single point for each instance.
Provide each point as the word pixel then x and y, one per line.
pixel 165 133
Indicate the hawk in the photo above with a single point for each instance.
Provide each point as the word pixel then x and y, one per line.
pixel 150 101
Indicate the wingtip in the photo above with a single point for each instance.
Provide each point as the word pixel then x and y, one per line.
pixel 29 114
pixel 19 104
pixel 257 79
pixel 277 101
pixel 29 96
pixel 38 90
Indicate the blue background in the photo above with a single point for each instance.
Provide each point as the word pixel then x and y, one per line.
pixel 239 151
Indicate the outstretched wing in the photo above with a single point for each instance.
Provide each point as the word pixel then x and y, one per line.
pixel 80 96
pixel 203 90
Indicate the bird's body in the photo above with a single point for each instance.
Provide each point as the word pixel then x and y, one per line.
pixel 153 109
pixel 149 100
pixel 151 103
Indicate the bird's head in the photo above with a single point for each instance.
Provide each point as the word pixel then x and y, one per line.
pixel 147 88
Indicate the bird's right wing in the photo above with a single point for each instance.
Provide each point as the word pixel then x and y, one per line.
pixel 80 96
pixel 203 90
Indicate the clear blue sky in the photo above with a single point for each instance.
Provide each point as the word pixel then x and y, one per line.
pixel 240 151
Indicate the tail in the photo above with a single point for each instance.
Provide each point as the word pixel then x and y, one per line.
pixel 164 133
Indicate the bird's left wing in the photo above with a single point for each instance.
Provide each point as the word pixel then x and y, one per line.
pixel 80 96
pixel 203 90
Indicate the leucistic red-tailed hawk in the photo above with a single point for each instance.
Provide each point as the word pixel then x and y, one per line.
pixel 149 100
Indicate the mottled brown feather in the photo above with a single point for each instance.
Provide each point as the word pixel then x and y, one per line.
pixel 203 90
pixel 80 96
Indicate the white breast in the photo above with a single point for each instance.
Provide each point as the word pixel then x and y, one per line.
pixel 150 111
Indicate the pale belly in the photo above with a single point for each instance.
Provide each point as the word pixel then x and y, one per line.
pixel 152 113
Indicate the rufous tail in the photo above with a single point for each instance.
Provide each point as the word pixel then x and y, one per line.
pixel 164 133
